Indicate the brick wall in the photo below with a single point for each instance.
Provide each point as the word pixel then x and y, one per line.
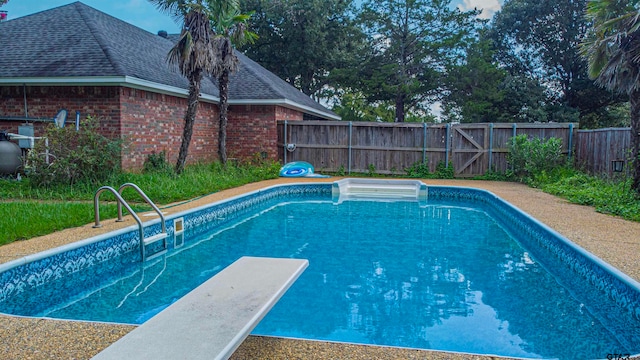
pixel 252 130
pixel 46 101
pixel 153 122
pixel 150 122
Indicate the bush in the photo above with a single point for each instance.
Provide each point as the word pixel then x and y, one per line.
pixel 444 172
pixel 82 156
pixel 421 170
pixel 156 162
pixel 418 170
pixel 531 158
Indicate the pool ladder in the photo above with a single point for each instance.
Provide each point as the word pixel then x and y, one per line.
pixel 144 241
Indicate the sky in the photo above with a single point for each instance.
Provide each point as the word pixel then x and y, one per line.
pixel 144 15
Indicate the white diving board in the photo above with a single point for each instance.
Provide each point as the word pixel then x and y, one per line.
pixel 211 321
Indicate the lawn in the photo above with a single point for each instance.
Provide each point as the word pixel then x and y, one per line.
pixel 27 211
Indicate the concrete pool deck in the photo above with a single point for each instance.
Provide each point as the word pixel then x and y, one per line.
pixel 614 240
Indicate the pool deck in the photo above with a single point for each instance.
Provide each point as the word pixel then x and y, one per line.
pixel 614 240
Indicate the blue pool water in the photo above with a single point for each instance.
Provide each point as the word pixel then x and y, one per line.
pixel 449 276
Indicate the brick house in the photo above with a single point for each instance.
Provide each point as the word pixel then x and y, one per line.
pixel 77 58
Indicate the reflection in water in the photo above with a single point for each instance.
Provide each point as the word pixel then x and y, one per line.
pixel 422 280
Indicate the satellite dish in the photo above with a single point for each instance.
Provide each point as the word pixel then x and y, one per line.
pixel 60 118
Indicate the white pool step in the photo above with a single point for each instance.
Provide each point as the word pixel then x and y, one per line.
pixel 155 238
pixel 376 189
pixel 211 321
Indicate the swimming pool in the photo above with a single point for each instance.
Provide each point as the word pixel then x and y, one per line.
pixel 417 291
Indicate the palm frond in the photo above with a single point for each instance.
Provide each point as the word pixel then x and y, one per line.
pixel 612 47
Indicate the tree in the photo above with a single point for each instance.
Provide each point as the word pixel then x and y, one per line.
pixel 194 55
pixel 474 86
pixel 412 43
pixel 303 41
pixel 479 90
pixel 541 40
pixel 230 27
pixel 612 50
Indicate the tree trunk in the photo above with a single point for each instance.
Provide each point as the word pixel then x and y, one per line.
pixel 634 102
pixel 223 83
pixel 189 118
pixel 400 108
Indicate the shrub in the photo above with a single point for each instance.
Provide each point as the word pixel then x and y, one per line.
pixel 531 158
pixel 156 162
pixel 74 156
pixel 443 171
pixel 371 170
pixel 421 170
pixel 418 170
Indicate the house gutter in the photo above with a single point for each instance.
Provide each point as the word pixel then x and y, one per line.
pixel 285 103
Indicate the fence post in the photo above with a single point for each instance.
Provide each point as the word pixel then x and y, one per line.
pixel 284 142
pixel 447 143
pixel 424 142
pixel 570 141
pixel 350 137
pixel 490 146
pixel 515 127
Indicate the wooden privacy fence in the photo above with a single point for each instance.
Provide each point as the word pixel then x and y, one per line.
pixel 597 149
pixel 391 148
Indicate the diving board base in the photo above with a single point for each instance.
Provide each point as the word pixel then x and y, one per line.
pixel 211 321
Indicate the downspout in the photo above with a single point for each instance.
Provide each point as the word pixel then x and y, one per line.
pixel 24 93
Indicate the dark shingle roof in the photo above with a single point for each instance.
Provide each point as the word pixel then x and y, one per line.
pixel 78 41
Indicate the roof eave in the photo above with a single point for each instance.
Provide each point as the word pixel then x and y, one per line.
pixel 286 103
pixel 127 81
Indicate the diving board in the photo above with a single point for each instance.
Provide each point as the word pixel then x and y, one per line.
pixel 211 321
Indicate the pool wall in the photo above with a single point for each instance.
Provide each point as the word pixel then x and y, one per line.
pixel 619 287
pixel 31 271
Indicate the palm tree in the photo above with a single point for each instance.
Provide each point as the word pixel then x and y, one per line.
pixel 612 49
pixel 231 29
pixel 194 55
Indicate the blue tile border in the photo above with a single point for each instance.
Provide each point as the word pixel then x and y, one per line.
pixel 31 271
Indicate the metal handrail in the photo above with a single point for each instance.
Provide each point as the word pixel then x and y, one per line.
pixel 146 198
pixel 96 210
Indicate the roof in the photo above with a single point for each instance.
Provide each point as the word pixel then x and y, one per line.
pixel 76 44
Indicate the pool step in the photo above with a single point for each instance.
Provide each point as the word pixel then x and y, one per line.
pixel 379 189
pixel 154 239
pixel 211 321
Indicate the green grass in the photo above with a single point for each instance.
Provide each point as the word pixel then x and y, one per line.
pixel 27 211
pixel 606 196
pixel 26 219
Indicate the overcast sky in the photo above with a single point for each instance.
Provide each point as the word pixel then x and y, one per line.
pixel 144 15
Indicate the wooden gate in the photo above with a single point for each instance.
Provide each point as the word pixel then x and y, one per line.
pixel 470 149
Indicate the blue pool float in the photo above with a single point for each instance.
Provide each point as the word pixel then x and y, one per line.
pixel 299 169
